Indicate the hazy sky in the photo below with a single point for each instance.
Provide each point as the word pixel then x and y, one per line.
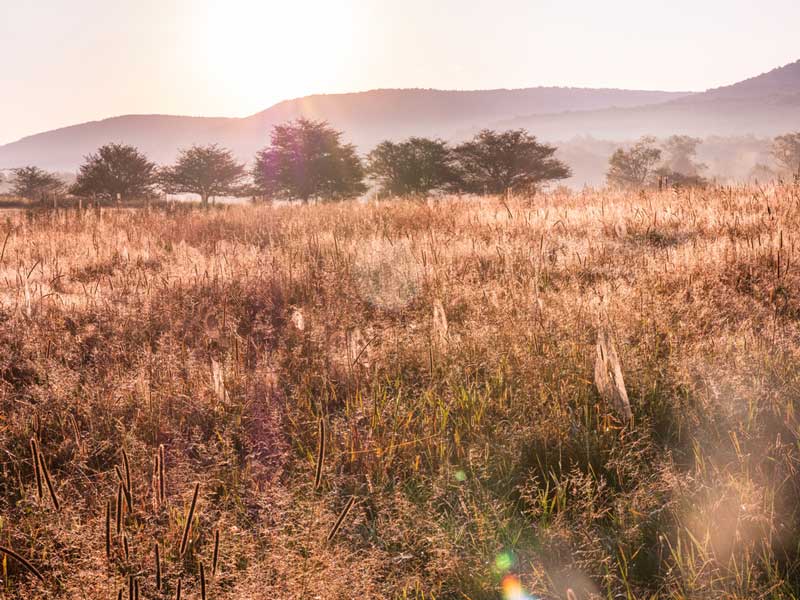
pixel 68 61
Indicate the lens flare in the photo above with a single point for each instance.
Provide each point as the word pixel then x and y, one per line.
pixel 513 590
pixel 504 561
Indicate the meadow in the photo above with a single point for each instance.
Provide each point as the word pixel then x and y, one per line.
pixel 398 399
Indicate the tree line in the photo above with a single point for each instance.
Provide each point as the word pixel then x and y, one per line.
pixel 308 160
pixel 675 163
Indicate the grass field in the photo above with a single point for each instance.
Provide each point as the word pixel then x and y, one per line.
pixel 445 352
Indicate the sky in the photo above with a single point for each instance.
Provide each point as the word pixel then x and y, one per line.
pixel 63 62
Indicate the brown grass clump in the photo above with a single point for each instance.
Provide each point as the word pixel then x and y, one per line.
pixel 401 399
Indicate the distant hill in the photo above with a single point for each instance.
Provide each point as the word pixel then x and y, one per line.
pixel 766 105
pixel 783 82
pixel 366 118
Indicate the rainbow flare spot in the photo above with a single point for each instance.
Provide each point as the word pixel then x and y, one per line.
pixel 513 590
pixel 503 562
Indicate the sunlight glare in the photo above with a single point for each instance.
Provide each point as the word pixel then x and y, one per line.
pixel 253 50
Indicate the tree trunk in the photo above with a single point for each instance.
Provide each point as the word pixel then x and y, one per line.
pixel 204 200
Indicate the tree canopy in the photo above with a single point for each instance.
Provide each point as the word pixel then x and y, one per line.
pixel 307 160
pixel 208 171
pixel 115 171
pixel 786 151
pixel 642 165
pixel 495 162
pixel 416 166
pixel 35 184
pixel 681 156
pixel 634 167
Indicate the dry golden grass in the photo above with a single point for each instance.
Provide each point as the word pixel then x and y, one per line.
pixel 446 352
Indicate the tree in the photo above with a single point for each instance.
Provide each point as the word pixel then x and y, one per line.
pixel 35 184
pixel 681 153
pixel 633 167
pixel 416 166
pixel 495 162
pixel 117 171
pixel 786 151
pixel 307 160
pixel 208 171
pixel 680 168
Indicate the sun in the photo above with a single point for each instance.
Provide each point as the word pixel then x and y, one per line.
pixel 255 50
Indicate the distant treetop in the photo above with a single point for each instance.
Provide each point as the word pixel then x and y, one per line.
pixel 417 166
pixel 496 162
pixel 208 171
pixel 116 171
pixel 307 160
pixel 35 184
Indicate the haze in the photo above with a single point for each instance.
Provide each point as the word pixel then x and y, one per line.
pixel 68 62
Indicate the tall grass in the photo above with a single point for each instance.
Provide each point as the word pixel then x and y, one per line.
pixel 399 399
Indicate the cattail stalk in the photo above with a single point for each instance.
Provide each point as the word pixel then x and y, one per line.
pixel 158 567
pixel 334 530
pixel 36 470
pixel 23 561
pixel 77 432
pixel 216 554
pixel 320 453
pixel 161 479
pixel 154 483
pixel 126 463
pixel 123 484
pixel 202 582
pixel 189 517
pixel 108 529
pixel 49 482
pixel 119 508
pixel 178 592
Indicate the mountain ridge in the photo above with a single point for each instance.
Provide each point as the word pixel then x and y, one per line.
pixel 365 117
pixel 764 105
